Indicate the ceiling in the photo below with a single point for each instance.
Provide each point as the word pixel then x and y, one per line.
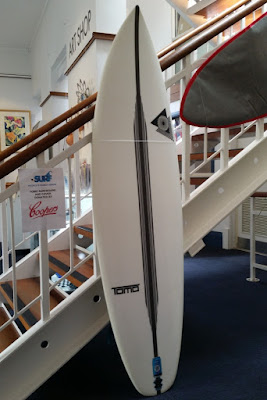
pixel 19 22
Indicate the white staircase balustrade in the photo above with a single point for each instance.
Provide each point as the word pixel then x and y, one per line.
pixel 83 311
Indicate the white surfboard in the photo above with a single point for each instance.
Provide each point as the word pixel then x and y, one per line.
pixel 137 210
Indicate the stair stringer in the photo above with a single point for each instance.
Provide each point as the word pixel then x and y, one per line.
pixel 70 328
pixel 224 191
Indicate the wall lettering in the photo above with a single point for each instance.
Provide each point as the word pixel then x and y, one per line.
pixel 81 33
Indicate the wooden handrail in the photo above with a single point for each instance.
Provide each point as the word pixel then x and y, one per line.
pixel 35 149
pixel 178 42
pixel 47 127
pixel 46 142
pixel 210 33
pixel 85 103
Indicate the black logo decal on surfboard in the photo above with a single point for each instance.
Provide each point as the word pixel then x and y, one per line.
pixel 126 289
pixel 163 123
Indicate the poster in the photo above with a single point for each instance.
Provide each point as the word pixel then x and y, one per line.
pixel 14 126
pixel 42 199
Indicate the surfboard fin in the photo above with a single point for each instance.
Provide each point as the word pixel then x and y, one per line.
pixel 158 384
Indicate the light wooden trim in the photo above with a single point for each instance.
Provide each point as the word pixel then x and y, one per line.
pixel 87 115
pixel 58 94
pixel 47 127
pixel 95 35
pixel 201 28
pixel 20 159
pixel 209 33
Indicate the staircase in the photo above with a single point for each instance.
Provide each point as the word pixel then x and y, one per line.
pixel 69 328
pixel 25 297
pixel 10 333
pixel 27 290
pixel 52 301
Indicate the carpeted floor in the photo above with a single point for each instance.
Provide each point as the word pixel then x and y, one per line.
pixel 224 346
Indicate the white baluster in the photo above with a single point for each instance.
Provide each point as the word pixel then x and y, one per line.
pixel 77 174
pixel 219 38
pixel 243 23
pixel 4 229
pixel 44 263
pixel 259 129
pixel 186 137
pixel 70 215
pixel 205 144
pixel 13 257
pixel 44 276
pixel 252 277
pixel 224 159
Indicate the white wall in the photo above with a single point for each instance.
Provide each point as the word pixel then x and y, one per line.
pixel 62 17
pixel 15 61
pixel 84 70
pixel 110 15
pixel 59 21
pixel 16 93
pixel 158 17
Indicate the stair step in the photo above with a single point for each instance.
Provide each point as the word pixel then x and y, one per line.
pixel 9 334
pixel 85 230
pixel 59 261
pixel 198 181
pixel 28 290
pixel 200 156
pixel 216 134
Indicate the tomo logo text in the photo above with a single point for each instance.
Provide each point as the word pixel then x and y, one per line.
pixel 126 289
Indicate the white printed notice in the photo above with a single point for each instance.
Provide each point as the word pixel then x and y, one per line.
pixel 42 199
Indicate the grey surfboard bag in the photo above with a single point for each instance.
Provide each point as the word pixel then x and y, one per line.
pixel 230 88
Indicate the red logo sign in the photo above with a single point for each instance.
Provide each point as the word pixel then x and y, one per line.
pixel 37 212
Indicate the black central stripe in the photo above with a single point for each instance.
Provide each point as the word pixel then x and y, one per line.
pixel 145 201
pixel 81 278
pixel 27 315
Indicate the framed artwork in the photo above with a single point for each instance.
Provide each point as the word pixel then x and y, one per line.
pixel 14 125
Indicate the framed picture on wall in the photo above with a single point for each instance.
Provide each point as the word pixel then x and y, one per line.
pixel 14 126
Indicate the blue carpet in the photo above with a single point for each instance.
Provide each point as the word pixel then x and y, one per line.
pixel 224 346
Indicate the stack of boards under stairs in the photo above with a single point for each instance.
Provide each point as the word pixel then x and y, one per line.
pixel 29 289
